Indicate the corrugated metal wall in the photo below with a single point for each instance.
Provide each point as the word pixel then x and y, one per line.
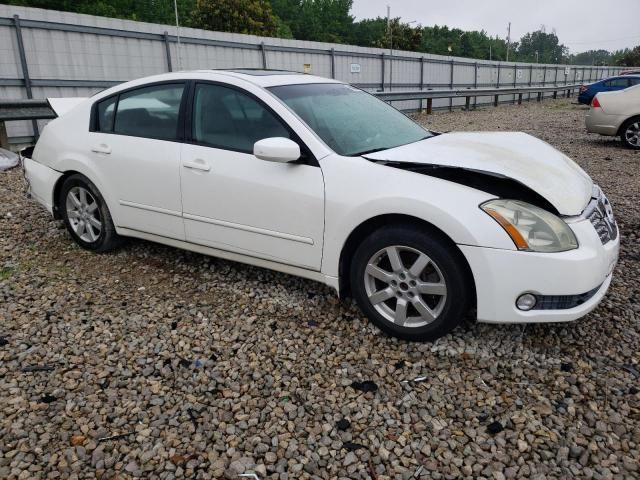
pixel 68 54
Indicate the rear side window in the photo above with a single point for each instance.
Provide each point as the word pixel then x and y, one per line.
pixel 618 82
pixel 226 118
pixel 150 112
pixel 105 115
pixel 634 81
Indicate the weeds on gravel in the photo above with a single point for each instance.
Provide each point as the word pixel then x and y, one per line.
pixel 6 272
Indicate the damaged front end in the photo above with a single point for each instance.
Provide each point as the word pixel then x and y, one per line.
pixel 491 183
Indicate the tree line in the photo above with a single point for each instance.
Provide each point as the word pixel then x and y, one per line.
pixel 331 21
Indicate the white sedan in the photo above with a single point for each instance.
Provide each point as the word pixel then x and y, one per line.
pixel 319 179
pixel 616 114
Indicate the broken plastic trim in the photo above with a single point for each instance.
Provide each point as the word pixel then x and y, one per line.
pixel 491 183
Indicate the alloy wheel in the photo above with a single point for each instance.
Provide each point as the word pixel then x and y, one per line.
pixel 632 134
pixel 405 286
pixel 83 214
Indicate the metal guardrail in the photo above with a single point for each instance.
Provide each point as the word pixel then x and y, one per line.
pixel 25 110
pixel 469 93
pixel 29 109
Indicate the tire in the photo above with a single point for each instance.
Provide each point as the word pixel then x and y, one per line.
pixel 86 215
pixel 630 133
pixel 432 274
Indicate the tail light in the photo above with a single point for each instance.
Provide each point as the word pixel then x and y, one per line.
pixel 583 88
pixel 595 103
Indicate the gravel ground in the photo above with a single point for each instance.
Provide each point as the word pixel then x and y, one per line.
pixel 153 362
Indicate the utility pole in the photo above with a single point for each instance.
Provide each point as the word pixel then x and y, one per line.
pixel 175 6
pixel 508 40
pixel 390 30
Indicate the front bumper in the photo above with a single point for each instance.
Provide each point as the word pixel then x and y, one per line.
pixel 501 276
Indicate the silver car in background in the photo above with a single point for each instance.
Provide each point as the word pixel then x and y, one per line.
pixel 617 114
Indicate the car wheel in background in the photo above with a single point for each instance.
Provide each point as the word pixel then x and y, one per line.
pixel 410 282
pixel 86 215
pixel 630 133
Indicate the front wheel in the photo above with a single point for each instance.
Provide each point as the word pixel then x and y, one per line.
pixel 410 282
pixel 630 133
pixel 86 215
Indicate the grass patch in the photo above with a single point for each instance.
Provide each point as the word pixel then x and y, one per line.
pixel 6 272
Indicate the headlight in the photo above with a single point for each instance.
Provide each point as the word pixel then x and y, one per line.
pixel 531 228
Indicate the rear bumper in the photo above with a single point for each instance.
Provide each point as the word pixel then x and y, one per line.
pixel 501 276
pixel 41 181
pixel 598 122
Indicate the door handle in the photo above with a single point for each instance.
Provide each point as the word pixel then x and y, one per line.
pixel 197 164
pixel 101 148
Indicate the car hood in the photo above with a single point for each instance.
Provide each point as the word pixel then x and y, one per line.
pixel 515 155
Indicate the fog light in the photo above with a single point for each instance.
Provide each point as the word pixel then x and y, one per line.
pixel 526 301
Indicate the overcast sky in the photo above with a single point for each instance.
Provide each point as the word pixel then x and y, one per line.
pixel 580 24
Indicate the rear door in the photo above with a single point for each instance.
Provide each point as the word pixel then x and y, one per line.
pixel 236 202
pixel 135 147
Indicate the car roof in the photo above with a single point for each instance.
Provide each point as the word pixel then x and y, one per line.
pixel 270 78
pixel 260 77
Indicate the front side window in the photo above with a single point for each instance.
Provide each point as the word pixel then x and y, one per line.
pixel 348 120
pixel 227 118
pixel 150 112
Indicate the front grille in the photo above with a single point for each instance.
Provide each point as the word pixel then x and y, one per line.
pixel 563 302
pixel 600 215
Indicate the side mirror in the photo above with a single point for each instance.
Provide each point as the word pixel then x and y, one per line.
pixel 277 149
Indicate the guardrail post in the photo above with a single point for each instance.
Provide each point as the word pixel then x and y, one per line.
pixel 495 100
pixel 333 62
pixel 167 51
pixel 451 84
pixel 515 79
pixel 429 106
pixel 4 138
pixel 467 103
pixel 263 50
pixel 475 83
pixel 25 70
pixel 538 97
pixel 421 79
pixel 519 99
pixel 382 64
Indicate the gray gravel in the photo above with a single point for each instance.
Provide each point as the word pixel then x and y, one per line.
pixel 153 362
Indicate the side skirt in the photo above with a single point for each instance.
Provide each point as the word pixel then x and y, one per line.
pixel 236 257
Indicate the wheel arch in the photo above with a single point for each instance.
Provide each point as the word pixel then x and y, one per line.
pixel 623 124
pixel 56 192
pixel 374 223
pixel 77 168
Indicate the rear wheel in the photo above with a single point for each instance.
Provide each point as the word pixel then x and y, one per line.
pixel 630 133
pixel 86 215
pixel 410 283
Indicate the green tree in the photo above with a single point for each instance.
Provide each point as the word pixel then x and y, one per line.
pixel 629 57
pixel 153 11
pixel 368 32
pixel 542 47
pixel 253 17
pixel 318 20
pixel 400 36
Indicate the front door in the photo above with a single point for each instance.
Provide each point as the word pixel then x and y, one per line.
pixel 236 202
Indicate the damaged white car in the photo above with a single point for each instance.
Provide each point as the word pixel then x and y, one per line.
pixel 319 179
